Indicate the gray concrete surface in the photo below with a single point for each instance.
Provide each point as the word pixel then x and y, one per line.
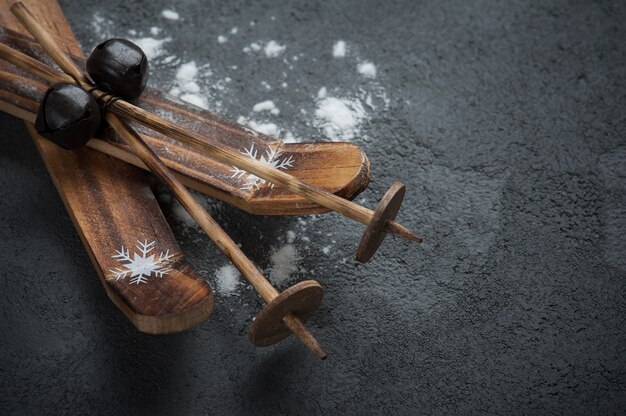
pixel 505 120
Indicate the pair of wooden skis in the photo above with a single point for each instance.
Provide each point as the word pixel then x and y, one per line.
pixel 127 238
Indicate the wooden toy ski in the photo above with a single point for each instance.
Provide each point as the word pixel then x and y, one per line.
pixel 115 213
pixel 70 113
pixel 340 168
pixel 69 116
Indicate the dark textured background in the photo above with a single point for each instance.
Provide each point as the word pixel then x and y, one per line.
pixel 506 122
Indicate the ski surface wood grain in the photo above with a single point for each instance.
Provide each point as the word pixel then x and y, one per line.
pixel 340 168
pixel 117 217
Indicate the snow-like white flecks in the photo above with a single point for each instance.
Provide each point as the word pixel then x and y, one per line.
pixel 273 49
pixel 141 265
pixel 270 158
pixel 228 279
pixel 170 14
pixel 339 49
pixel 153 48
pixel 367 69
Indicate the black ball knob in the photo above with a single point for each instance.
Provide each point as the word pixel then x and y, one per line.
pixel 68 116
pixel 120 67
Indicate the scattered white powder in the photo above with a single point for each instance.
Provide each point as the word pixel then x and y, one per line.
pixel 322 93
pixel 228 278
pixel 103 27
pixel 187 72
pixel 221 84
pixel 253 47
pixel 273 49
pixel 191 87
pixel 288 137
pixel 187 89
pixel 339 49
pixel 195 99
pixel 340 118
pixel 179 213
pixel 222 39
pixel 234 30
pixel 284 262
pixel 169 59
pixel 170 14
pixel 377 94
pixel 326 250
pixel 367 69
pixel 155 30
pixel 266 106
pixel 182 216
pixel 97 22
pixel 153 48
pixel 291 236
pixel 271 129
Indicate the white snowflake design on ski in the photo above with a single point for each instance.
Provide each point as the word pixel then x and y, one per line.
pixel 142 264
pixel 270 158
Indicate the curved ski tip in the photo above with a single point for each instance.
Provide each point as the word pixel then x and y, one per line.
pixel 337 167
pixel 340 167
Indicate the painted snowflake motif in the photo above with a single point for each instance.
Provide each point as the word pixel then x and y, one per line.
pixel 270 158
pixel 142 264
